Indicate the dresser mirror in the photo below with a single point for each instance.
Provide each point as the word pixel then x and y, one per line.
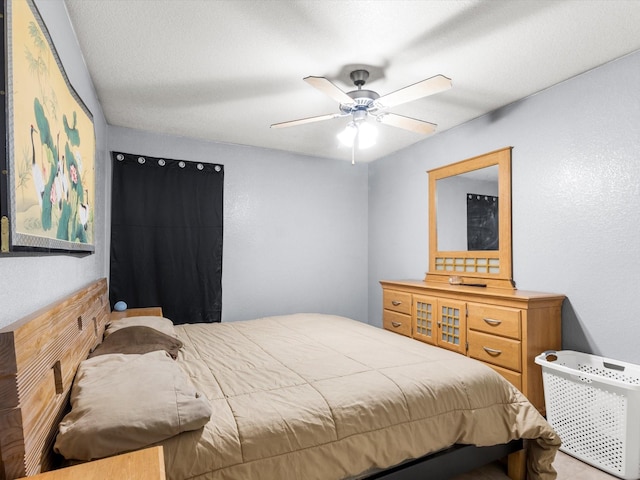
pixel 470 222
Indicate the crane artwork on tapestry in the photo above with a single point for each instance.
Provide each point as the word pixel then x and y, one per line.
pixel 53 142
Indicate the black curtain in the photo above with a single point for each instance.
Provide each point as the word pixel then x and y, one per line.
pixel 166 236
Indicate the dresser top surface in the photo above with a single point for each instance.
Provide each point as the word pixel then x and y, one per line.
pixel 507 294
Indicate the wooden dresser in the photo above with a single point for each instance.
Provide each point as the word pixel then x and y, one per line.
pixel 506 329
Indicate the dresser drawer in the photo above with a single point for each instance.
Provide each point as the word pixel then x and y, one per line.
pixel 501 321
pixel 396 322
pixel 503 352
pixel 396 301
pixel 514 378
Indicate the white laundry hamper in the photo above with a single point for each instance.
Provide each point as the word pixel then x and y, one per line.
pixel 593 403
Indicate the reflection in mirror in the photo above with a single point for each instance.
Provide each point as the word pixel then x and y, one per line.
pixel 467 210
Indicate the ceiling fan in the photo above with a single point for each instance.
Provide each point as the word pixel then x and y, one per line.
pixel 362 103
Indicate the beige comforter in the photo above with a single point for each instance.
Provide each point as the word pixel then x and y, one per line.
pixel 313 396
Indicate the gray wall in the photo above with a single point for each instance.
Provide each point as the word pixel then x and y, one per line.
pixel 576 202
pixel 295 227
pixel 29 283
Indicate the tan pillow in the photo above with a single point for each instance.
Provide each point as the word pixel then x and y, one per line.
pixel 125 402
pixel 161 324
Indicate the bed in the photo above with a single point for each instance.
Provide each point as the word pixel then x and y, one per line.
pixel 294 396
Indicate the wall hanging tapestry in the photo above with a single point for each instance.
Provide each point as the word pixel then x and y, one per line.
pixel 48 181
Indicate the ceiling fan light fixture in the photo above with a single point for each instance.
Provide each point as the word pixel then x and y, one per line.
pixel 363 133
pixel 367 135
pixel 348 135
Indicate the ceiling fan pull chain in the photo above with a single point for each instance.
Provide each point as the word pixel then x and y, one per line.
pixel 353 153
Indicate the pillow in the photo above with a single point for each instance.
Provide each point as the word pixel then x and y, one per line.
pixel 123 402
pixel 138 340
pixel 161 324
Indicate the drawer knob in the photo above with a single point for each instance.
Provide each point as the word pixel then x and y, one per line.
pixel 492 351
pixel 395 303
pixel 396 324
pixel 492 321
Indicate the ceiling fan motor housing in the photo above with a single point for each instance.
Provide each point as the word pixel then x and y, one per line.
pixel 364 100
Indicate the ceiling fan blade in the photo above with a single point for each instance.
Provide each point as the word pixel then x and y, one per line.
pixel 302 121
pixel 328 88
pixel 408 123
pixel 430 86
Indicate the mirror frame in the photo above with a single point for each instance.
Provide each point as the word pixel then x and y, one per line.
pixel 485 268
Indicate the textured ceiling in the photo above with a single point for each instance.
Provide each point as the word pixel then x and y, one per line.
pixel 225 70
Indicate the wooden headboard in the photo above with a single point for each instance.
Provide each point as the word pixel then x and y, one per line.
pixel 39 356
